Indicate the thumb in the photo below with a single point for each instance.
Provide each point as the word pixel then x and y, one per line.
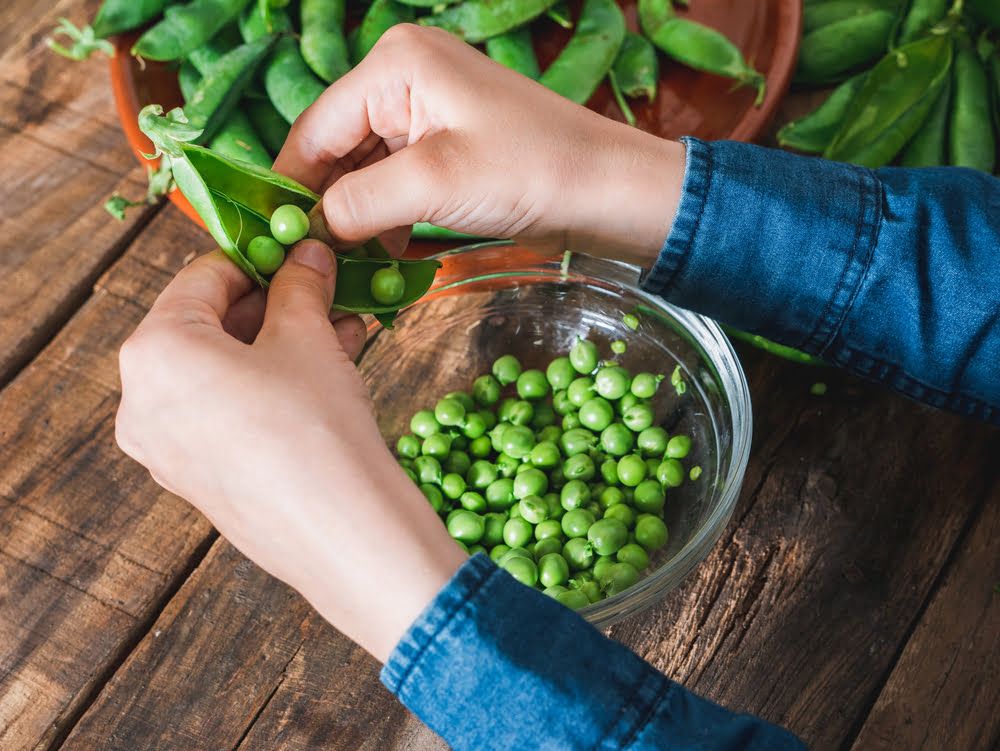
pixel 301 291
pixel 408 186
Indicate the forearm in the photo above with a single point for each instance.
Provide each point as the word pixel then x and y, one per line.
pixel 889 273
pixel 494 664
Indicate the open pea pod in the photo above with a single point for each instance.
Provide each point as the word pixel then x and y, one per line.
pixel 235 199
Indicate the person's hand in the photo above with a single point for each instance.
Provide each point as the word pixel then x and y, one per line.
pixel 426 128
pixel 259 418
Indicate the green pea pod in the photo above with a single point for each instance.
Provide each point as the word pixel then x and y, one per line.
pixel 477 20
pixel 268 123
pixel 323 45
pixel 620 99
pixel 186 27
pixel 119 16
pixel 929 147
pixel 817 15
pixel 188 79
pixel 428 3
pixel 254 23
pixel 428 231
pixel 236 199
pixel 778 350
pixel 891 106
pixel 971 142
pixel 209 53
pixel 223 85
pixel 637 68
pixel 516 50
pixel 831 52
pixel 381 16
pixel 587 57
pixel 290 84
pixel 813 133
pixel 237 139
pixel 697 46
pixel 986 11
pixel 919 18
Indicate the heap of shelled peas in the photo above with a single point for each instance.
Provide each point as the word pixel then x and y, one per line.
pixel 564 484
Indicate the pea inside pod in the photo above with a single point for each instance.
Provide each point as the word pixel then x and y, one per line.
pixel 236 201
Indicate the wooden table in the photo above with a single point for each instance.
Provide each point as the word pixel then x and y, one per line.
pixel 854 597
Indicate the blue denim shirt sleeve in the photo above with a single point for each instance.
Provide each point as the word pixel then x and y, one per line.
pixel 891 273
pixel 492 664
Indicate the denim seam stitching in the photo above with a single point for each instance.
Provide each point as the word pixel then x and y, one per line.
pixel 827 318
pixel 643 721
pixel 446 621
pixel 685 252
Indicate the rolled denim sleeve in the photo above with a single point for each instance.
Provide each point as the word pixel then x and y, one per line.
pixel 492 664
pixel 892 273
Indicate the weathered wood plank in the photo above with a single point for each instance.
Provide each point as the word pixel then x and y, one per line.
pixel 800 612
pixel 944 691
pixel 90 547
pixel 62 155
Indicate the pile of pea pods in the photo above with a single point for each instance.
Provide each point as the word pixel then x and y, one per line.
pixel 918 82
pixel 561 476
pixel 248 68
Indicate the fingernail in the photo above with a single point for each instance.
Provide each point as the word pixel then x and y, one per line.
pixel 315 255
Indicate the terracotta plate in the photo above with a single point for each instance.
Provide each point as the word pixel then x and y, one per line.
pixel 687 102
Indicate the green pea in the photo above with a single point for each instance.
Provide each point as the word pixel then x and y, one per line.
pixel 493 524
pixel 573 599
pixel 473 501
pixel 500 494
pixel 498 552
pixel 617 440
pixel 387 286
pixel 594 508
pixel 580 390
pixel 596 413
pixel 466 526
pixel 480 447
pixel 547 546
pixel 520 413
pixel 612 382
pixel 533 509
pixel 601 565
pixel 507 465
pixel 678 447
pixel 618 577
pixel 428 469
pixel 496 436
pixel 453 485
pixel 578 553
pixel 522 569
pixel 474 425
pixel 405 463
pixel 410 473
pixel 652 441
pixel 644 385
pixel 481 474
pixel 506 369
pixel 631 470
pixel 618 347
pixel 574 494
pixel 651 466
pixel 695 472
pixel 552 570
pixel 576 522
pixel 576 441
pixel 590 589
pixel 607 536
pixel 579 467
pixel 489 418
pixel 437 445
pixel 609 471
pixel 623 513
pixel 629 400
pixel 544 417
pixel 532 384
pixel 408 446
pixel 583 356
pixel 449 412
pixel 545 454
pixel 631 320
pixel 649 497
pixel 486 390
pixel 548 528
pixel 651 533
pixel 556 478
pixel 266 254
pixel 518 441
pixel 424 424
pixel 635 555
pixel 670 473
pixel 433 495
pixel 554 590
pixel 289 224
pixel 530 482
pixel 611 496
pixel 458 462
pixel 561 403
pixel 570 421
pixel 638 418
pixel 549 434
pixel 517 532
pixel 560 373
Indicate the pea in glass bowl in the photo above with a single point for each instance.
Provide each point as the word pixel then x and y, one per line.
pixel 493 299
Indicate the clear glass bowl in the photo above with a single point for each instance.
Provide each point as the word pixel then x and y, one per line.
pixel 496 298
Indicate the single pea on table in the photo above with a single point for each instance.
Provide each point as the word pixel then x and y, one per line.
pixel 558 473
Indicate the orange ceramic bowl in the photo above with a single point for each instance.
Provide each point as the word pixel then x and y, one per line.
pixel 687 103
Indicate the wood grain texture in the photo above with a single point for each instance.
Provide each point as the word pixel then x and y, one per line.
pixel 943 692
pixel 90 547
pixel 62 155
